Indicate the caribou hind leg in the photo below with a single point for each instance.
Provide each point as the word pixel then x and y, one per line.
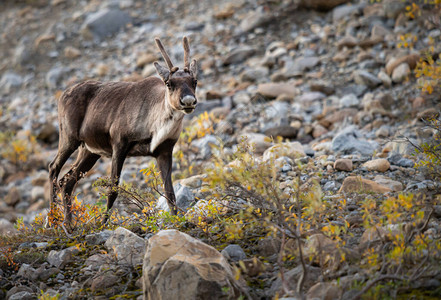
pixel 65 150
pixel 84 162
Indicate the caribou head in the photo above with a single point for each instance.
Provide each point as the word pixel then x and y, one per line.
pixel 181 84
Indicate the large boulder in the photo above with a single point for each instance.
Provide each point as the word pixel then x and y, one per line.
pixel 177 266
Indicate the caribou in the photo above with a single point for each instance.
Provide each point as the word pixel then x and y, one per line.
pixel 121 119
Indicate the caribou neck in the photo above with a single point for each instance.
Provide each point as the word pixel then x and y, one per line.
pixel 167 123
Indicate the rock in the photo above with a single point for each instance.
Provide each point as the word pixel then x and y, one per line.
pixel 94 262
pixel 344 11
pixel 321 5
pixel 395 186
pixel 285 131
pixel 259 141
pixel 374 235
pixel 145 59
pixel 343 164
pixel 234 253
pixel 268 246
pixel 104 281
pixel 378 165
pixel 366 78
pixel 205 209
pixel 355 184
pixel 239 55
pixel 98 238
pixel 349 100
pixel 104 23
pixel 71 52
pixel 393 8
pixel 254 75
pixel 55 76
pixel 323 87
pixel 292 277
pixel 397 160
pixel 184 199
pixel 292 150
pixel 347 41
pixel 300 65
pixel 6 227
pixel 255 18
pixel 205 145
pixel 324 291
pixel 275 89
pixel 13 196
pixel 310 97
pixel 321 249
pixel 411 60
pixel 37 193
pixel 177 266
pixel 127 246
pixel 10 81
pixel 347 142
pixel 338 116
pixel 61 258
pixel 193 182
pixel 401 73
pixel 24 295
pixel 385 79
pixel 318 131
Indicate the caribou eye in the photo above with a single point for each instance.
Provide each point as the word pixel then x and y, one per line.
pixel 195 82
pixel 167 83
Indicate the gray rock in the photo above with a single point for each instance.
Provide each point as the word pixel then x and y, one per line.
pixel 184 199
pixel 366 78
pixel 234 253
pixel 10 81
pixel 23 295
pixel 205 145
pixel 348 142
pixel 55 76
pixel 98 238
pixel 6 227
pixel 397 160
pixel 344 11
pixel 254 75
pixel 284 131
pixel 239 55
pixel 254 19
pixel 106 22
pixel 127 246
pixel 350 100
pixel 299 65
pixel 194 26
pixel 61 258
pixel 309 97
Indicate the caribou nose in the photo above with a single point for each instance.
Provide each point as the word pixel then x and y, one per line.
pixel 188 101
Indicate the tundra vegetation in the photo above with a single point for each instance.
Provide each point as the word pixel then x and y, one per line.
pixel 299 239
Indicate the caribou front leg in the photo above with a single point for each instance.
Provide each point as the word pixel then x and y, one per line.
pixel 165 166
pixel 119 154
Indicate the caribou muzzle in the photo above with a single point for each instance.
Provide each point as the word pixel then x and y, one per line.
pixel 188 104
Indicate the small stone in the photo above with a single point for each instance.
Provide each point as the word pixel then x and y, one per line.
pixel 98 238
pixel 366 78
pixel 350 100
pixel 292 150
pixel 127 246
pixel 13 196
pixel 401 73
pixel 385 79
pixel 234 253
pixel 324 290
pixel 379 165
pixel 355 184
pixel 104 281
pixel 71 52
pixel 318 131
pixel 275 89
pixel 394 185
pixel 10 81
pixel 347 41
pixel 284 131
pixel 104 23
pixel 239 55
pixel 144 59
pixel 61 258
pixel 343 164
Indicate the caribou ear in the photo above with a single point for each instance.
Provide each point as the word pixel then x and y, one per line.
pixel 163 72
pixel 194 68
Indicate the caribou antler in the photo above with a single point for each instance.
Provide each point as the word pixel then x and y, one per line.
pixel 165 55
pixel 186 53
